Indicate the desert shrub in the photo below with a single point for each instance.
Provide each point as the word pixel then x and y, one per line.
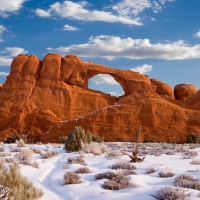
pixel 16 150
pixel 94 148
pixel 190 154
pixel 78 160
pixel 7 160
pixel 62 139
pixel 113 154
pixel 73 142
pixel 37 151
pixel 5 154
pixel 49 154
pixel 165 174
pixel 65 166
pixel 123 165
pixel 12 139
pixel 193 138
pixel 20 188
pixel 24 155
pixel 170 193
pixel 4 191
pixel 181 149
pixel 71 178
pixel 187 181
pixel 83 170
pixel 2 149
pixel 106 175
pixel 150 170
pixel 20 143
pixel 118 182
pixel 195 162
pixel 128 172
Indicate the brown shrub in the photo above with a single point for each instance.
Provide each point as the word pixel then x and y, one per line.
pixel 71 178
pixel 83 170
pixel 78 160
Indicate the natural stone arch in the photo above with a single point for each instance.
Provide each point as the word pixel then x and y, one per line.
pixel 112 86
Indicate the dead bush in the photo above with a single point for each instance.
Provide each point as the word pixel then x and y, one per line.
pixel 195 162
pixel 83 170
pixel 170 193
pixel 118 182
pixel 187 181
pixel 71 178
pixel 94 148
pixel 49 154
pixel 165 174
pixel 78 160
pixel 20 143
pixel 190 154
pixel 123 165
pixel 19 186
pixel 150 170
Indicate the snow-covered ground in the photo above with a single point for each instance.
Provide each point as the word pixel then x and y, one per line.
pixel 160 156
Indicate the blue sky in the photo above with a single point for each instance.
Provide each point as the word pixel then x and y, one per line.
pixel 160 38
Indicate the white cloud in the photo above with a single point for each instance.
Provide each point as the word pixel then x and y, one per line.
pixel 103 79
pixel 127 8
pixel 4 74
pixel 112 47
pixel 70 28
pixel 164 1
pixel 115 94
pixel 2 29
pixel 6 56
pixel 10 6
pixel 72 10
pixel 197 34
pixel 144 69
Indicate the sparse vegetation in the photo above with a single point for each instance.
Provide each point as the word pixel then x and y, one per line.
pixel 123 165
pixel 150 170
pixel 83 170
pixel 73 142
pixel 49 154
pixel 78 160
pixel 190 154
pixel 71 178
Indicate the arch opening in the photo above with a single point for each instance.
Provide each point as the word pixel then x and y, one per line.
pixel 105 83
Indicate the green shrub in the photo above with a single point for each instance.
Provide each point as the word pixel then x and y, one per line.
pixel 15 185
pixel 73 142
pixel 193 138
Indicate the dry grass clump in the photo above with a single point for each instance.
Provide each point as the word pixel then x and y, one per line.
pixel 78 160
pixel 15 186
pixel 4 154
pixel 49 154
pixel 170 193
pixel 65 166
pixel 190 154
pixel 16 150
pixel 123 165
pixel 150 170
pixel 106 175
pixel 20 143
pixel 113 154
pixel 94 148
pixel 118 182
pixel 37 151
pixel 195 162
pixel 180 149
pixel 2 149
pixel 83 170
pixel 71 178
pixel 165 174
pixel 187 181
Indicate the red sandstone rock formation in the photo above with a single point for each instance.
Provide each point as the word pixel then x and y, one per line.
pixel 46 99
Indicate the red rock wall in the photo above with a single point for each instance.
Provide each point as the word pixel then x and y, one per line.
pixel 40 96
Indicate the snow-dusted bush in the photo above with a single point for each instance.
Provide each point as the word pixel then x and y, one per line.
pixel 190 154
pixel 37 151
pixel 78 160
pixel 18 186
pixel 118 182
pixel 24 155
pixel 71 178
pixel 150 170
pixel 106 175
pixel 180 149
pixel 195 162
pixel 16 150
pixel 187 181
pixel 170 193
pixel 73 142
pixel 165 174
pixel 94 148
pixel 20 143
pixel 83 170
pixel 113 154
pixel 49 154
pixel 123 165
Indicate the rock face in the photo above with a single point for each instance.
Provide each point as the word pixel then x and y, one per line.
pixel 46 99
